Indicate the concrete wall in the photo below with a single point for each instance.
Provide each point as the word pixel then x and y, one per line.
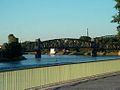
pixel 22 79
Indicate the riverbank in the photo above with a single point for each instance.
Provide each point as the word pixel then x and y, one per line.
pixel 84 53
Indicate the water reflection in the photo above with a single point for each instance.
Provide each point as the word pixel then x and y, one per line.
pixel 37 60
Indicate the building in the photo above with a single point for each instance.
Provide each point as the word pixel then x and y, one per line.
pixel 0 46
pixel 52 51
pixel 109 36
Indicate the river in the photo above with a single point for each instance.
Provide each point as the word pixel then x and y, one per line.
pixel 51 60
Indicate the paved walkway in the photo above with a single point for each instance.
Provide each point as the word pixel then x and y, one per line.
pixel 108 83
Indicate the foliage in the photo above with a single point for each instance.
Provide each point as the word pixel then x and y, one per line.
pixel 85 38
pixel 116 18
pixel 12 49
pixel 12 39
pixel 111 43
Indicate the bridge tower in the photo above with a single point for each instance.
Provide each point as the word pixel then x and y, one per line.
pixel 94 49
pixel 38 49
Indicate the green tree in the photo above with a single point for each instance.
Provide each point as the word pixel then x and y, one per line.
pixel 116 18
pixel 12 49
pixel 12 39
pixel 85 38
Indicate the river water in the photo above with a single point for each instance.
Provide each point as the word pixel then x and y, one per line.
pixel 50 60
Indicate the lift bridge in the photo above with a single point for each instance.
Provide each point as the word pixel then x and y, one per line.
pixel 73 43
pixel 65 44
pixel 76 44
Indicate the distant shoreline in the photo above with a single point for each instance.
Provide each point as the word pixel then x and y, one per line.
pixel 112 53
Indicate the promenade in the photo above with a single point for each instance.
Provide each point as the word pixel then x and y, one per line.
pixel 104 83
pixel 50 77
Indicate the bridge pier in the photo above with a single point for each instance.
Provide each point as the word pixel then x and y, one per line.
pixel 38 54
pixel 93 46
pixel 38 47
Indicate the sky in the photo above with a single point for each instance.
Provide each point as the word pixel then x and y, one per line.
pixel 54 19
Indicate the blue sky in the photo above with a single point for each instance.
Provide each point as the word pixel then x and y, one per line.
pixel 50 19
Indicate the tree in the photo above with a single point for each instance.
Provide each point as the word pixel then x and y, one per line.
pixel 12 49
pixel 116 18
pixel 85 38
pixel 12 39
